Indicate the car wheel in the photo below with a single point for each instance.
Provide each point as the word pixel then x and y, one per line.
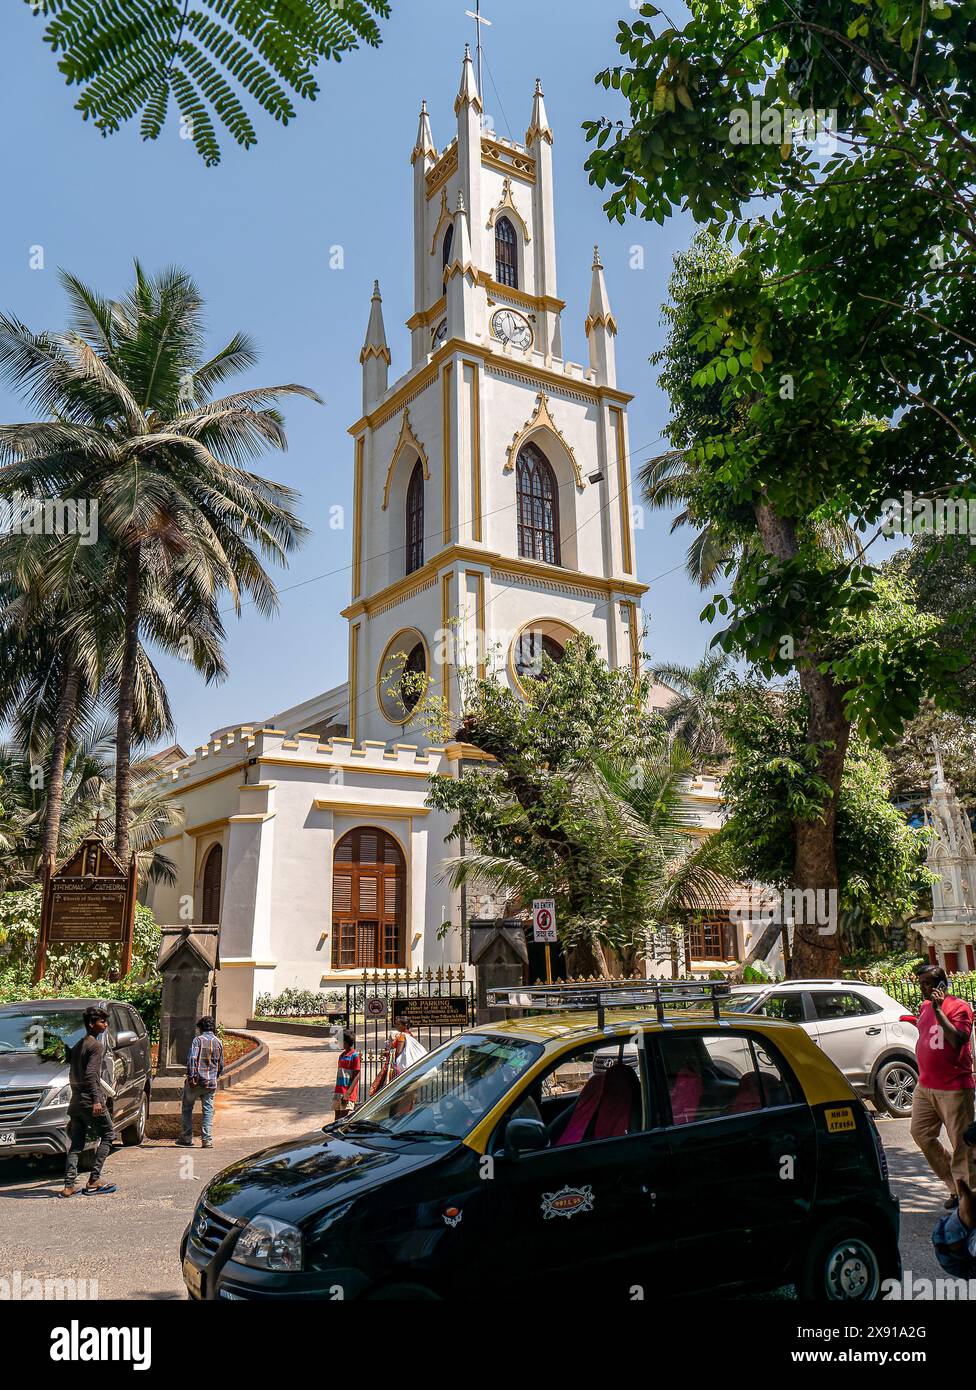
pixel 894 1087
pixel 136 1132
pixel 847 1262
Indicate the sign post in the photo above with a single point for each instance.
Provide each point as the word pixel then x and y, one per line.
pixel 544 927
pixel 89 899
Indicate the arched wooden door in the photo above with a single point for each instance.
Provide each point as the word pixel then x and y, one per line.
pixel 368 901
pixel 211 886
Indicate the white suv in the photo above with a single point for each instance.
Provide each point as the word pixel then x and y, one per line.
pixel 868 1036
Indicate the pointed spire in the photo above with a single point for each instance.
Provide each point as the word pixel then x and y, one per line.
pixel 600 311
pixel 461 244
pixel 539 129
pixel 425 147
pixel 375 344
pixel 468 94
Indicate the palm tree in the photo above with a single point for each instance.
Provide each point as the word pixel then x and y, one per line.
pixel 87 790
pixel 136 428
pixel 693 717
pixel 60 625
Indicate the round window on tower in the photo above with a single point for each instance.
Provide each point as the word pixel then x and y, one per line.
pixel 403 676
pixel 542 637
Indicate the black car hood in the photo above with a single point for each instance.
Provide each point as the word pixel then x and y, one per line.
pixel 295 1181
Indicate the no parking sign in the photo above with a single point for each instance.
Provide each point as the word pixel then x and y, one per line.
pixel 375 1006
pixel 544 920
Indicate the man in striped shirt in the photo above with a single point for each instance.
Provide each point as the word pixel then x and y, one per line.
pixel 203 1066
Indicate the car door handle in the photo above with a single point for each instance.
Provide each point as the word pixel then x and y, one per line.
pixel 872 1032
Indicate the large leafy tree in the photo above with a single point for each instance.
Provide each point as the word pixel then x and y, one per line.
pixel 134 56
pixel 582 802
pixel 841 338
pixel 771 784
pixel 136 428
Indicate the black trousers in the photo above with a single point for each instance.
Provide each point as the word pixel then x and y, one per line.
pixel 79 1124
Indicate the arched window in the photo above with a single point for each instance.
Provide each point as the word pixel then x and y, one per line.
pixel 448 243
pixel 506 253
pixel 211 887
pixel 415 519
pixel 532 646
pixel 538 507
pixel 368 897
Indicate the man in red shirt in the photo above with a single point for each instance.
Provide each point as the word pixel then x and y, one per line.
pixel 944 1094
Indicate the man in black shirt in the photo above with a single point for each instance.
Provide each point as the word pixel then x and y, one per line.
pixel 87 1110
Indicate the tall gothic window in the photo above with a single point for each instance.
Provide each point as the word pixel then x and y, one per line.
pixel 506 253
pixel 368 897
pixel 211 887
pixel 538 507
pixel 448 243
pixel 415 519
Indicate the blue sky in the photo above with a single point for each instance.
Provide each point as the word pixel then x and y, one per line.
pixel 256 232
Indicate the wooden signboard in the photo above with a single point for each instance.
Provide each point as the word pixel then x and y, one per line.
pixel 90 898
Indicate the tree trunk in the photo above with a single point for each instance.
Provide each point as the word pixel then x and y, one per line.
pixel 54 800
pixel 816 942
pixel 127 683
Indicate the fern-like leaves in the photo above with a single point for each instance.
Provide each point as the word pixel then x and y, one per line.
pixel 129 56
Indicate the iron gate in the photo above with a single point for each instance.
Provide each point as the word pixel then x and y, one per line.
pixel 439 1003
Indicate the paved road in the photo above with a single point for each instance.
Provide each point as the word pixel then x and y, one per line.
pixel 129 1242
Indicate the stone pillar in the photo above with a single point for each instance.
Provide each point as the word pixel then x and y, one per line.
pixel 187 960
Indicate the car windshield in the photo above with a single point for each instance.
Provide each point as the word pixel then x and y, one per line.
pixel 741 1003
pixel 43 1032
pixel 449 1091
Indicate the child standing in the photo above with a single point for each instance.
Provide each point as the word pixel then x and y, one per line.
pixel 347 1078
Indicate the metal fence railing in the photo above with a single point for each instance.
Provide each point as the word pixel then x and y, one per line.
pixel 905 988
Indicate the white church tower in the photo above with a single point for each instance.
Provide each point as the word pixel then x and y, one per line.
pixel 492 481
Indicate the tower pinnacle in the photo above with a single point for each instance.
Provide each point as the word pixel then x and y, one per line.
pixel 539 128
pixel 468 94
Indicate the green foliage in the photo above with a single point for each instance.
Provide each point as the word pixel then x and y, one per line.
pixel 582 803
pixel 128 56
pixel 834 355
pixel 292 1003
pixel 772 781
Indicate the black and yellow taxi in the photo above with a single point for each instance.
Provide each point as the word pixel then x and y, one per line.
pixel 641 1136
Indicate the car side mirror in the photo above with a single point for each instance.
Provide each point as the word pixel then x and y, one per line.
pixel 525 1136
pixel 126 1038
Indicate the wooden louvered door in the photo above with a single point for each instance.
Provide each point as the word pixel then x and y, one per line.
pixel 368 879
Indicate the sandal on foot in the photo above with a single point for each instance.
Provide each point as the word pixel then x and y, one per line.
pixel 100 1189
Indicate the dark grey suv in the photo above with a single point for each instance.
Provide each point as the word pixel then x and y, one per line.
pixel 34 1089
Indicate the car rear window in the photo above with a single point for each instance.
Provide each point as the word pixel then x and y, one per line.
pixel 835 1003
pixel 714 1075
pixel 138 1027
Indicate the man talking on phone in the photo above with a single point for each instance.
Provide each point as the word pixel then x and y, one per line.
pixel 944 1094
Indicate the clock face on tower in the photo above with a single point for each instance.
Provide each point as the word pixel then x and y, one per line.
pixel 440 334
pixel 512 328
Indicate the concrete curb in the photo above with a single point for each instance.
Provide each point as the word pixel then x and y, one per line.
pixel 296 1030
pixel 165 1106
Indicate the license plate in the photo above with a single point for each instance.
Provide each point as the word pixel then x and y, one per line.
pixel 8 1136
pixel 193 1278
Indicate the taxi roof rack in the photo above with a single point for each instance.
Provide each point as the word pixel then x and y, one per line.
pixel 602 996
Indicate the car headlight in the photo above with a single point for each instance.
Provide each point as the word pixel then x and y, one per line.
pixel 57 1096
pixel 269 1244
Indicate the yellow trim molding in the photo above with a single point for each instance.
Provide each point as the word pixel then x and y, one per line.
pixel 505 206
pixel 207 826
pixel 446 451
pixel 407 440
pixel 623 490
pixel 541 420
pixel 343 807
pixel 357 520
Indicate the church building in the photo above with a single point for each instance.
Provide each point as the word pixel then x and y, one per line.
pixel 492 521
